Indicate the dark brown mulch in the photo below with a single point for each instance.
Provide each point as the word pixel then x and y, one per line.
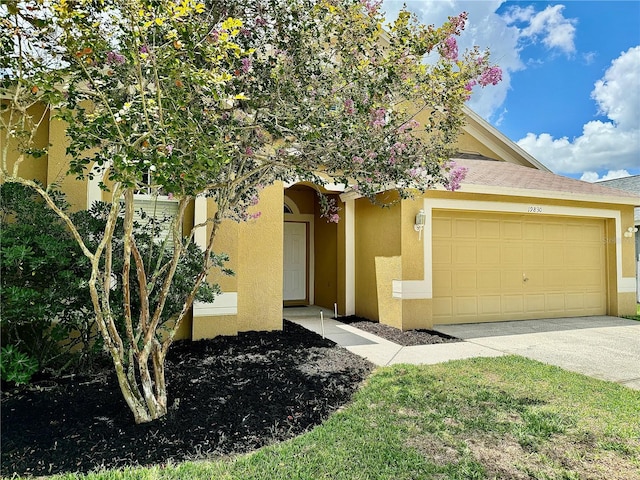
pixel 406 339
pixel 228 395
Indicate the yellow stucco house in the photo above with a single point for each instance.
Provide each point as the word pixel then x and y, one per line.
pixel 515 242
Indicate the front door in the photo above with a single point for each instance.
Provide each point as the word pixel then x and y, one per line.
pixel 295 263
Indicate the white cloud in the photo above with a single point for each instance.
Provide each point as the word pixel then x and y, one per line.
pixel 549 26
pixel 613 144
pixel 610 175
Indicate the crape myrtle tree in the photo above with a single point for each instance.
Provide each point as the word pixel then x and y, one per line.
pixel 222 99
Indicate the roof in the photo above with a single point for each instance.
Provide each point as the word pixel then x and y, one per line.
pixel 629 184
pixel 497 177
pixel 502 146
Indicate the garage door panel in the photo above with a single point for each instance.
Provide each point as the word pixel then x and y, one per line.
pixel 554 279
pixel 591 233
pixel 464 228
pixel 511 230
pixel 585 278
pixel 533 231
pixel 595 302
pixel 465 254
pixel 553 232
pixel 490 305
pixel 442 283
pixel 511 254
pixel 488 229
pixel 553 255
pixel 534 303
pixel 466 280
pixel 466 306
pixel 574 301
pixel 533 254
pixel 513 304
pixel 441 227
pixel 509 267
pixel 555 302
pixel 488 254
pixel 442 254
pixel 489 280
pixel 511 280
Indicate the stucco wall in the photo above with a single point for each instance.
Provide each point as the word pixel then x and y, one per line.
pixel 58 165
pixel 30 168
pixel 468 144
pixel 376 235
pixel 260 262
pixel 326 267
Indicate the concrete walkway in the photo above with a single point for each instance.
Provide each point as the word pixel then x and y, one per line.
pixel 603 347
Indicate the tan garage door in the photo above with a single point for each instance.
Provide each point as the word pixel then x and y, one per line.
pixel 489 267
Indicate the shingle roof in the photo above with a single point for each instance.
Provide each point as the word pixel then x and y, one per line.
pixel 629 184
pixel 505 175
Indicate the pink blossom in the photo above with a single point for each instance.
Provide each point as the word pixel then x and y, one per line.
pixel 469 87
pixel 399 147
pixel 333 218
pixel 114 58
pixel 169 149
pixel 410 125
pixel 144 49
pixel 450 49
pixel 415 172
pixel 491 75
pixel 378 117
pixel 372 6
pixel 358 160
pixel 248 151
pixel 349 106
pixel 261 22
pixel 456 175
pixel 170 196
pixel 246 65
pixel 254 200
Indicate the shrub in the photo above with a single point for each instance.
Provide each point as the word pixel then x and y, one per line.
pixel 43 285
pixel 47 312
pixel 15 366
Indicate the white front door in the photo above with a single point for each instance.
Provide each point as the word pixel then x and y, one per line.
pixel 295 261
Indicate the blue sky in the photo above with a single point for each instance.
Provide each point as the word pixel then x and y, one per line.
pixel 570 94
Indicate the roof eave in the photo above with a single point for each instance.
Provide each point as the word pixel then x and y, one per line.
pixel 497 141
pixel 547 194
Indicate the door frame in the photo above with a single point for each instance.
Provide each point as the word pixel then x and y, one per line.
pixel 309 219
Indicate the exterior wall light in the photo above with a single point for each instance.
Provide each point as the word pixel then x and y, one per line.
pixel 629 233
pixel 421 219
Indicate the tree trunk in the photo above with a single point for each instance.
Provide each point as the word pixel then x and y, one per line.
pixel 150 403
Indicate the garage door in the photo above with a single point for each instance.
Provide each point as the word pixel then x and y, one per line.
pixel 489 267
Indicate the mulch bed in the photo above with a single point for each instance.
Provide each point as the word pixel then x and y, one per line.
pixel 229 395
pixel 406 339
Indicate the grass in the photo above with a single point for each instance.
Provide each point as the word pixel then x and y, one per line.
pixel 505 417
pixel 636 316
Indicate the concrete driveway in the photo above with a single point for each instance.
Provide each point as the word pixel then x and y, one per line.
pixel 602 347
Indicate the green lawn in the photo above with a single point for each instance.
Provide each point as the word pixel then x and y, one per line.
pixel 505 417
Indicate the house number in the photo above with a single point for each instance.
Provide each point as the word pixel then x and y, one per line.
pixel 534 209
